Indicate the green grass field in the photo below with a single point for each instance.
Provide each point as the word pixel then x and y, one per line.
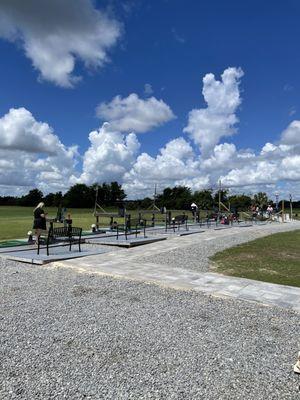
pixel 15 221
pixel 275 258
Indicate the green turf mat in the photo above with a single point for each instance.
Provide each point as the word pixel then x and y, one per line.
pixel 13 243
pixel 88 233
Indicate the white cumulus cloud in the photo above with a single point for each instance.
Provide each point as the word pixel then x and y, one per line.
pixel 206 126
pixel 110 155
pixel 174 164
pixel 55 33
pixel 148 89
pixel 20 131
pixel 134 114
pixel 291 135
pixel 31 155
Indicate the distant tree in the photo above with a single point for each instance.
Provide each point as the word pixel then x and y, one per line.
pixel 104 194
pixel 203 199
pixel 58 199
pixel 140 204
pixel 164 199
pixel 80 196
pixel 179 197
pixel 240 202
pixel 286 204
pixel 53 199
pixel 32 198
pixel 9 201
pixel 109 193
pixel 145 203
pixel 261 199
pixel 116 192
pixel 296 204
pixel 224 197
pixel 132 204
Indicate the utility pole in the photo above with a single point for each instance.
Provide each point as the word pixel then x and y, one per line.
pixel 154 200
pixel 291 207
pixel 96 199
pixel 220 186
pixel 276 199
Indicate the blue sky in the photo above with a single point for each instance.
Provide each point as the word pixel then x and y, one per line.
pixel 170 45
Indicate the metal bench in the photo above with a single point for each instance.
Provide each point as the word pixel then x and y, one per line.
pixel 132 227
pixel 177 222
pixel 67 233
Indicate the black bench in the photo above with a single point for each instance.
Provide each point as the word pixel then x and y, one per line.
pixel 177 222
pixel 132 227
pixel 139 224
pixel 68 233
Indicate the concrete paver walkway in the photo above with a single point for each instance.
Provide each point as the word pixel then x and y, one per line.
pixel 125 264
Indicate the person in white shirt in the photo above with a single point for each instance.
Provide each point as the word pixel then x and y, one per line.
pixel 194 209
pixel 270 210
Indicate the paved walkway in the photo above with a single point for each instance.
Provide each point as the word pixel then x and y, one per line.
pixel 125 264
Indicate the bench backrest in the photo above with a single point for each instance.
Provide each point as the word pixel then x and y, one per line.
pixel 180 218
pixel 138 222
pixel 65 231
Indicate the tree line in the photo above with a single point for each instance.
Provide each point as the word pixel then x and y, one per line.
pixel 181 198
pixel 78 196
pixel 110 194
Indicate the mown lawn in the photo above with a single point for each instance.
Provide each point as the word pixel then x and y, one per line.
pixel 275 258
pixel 15 221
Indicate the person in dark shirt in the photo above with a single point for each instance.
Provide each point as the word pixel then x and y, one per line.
pixel 39 222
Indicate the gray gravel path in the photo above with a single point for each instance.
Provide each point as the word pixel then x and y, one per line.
pixel 196 256
pixel 65 335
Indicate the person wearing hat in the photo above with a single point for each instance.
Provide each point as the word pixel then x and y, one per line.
pixel 194 209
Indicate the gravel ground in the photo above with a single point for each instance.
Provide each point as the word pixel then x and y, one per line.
pixel 76 336
pixel 196 257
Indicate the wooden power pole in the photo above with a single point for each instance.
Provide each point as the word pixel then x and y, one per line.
pixel 220 186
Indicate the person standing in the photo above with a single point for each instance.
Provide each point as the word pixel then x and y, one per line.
pixel 194 209
pixel 270 211
pixel 39 221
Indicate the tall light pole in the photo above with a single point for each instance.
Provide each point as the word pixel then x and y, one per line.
pixel 220 188
pixel 291 207
pixel 154 195
pixel 276 200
